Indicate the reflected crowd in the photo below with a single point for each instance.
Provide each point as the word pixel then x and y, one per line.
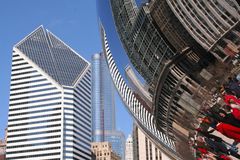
pixel 217 133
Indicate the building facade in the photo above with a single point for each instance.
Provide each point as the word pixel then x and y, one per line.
pixel 103 104
pixel 2 149
pixel 104 151
pixel 129 148
pixel 179 50
pixel 50 100
pixel 213 24
pixel 117 140
pixel 3 144
pixel 145 148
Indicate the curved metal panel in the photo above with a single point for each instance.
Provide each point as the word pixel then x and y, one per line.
pixel 143 117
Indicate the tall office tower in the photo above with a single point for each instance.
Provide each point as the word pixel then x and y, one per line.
pixel 129 148
pixel 103 115
pixel 103 98
pixel 50 100
pixel 179 51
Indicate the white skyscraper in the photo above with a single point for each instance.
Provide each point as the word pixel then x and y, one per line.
pixel 129 148
pixel 50 100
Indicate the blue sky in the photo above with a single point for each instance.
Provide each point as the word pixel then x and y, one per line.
pixel 73 21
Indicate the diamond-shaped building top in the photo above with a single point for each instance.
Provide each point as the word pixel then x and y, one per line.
pixel 57 59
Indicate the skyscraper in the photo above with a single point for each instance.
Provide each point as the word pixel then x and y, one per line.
pixel 50 100
pixel 129 148
pixel 103 98
pixel 104 125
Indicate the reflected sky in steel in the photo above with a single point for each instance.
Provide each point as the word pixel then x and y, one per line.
pixel 107 20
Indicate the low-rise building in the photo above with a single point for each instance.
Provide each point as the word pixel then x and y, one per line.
pixel 103 151
pixel 3 147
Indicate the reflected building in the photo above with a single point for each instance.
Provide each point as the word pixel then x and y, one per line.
pixel 129 148
pixel 104 151
pixel 117 140
pixel 50 100
pixel 145 147
pixel 103 106
pixel 179 49
pixel 214 25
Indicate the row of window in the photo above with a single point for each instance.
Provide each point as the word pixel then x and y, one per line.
pixel 68 93
pixel 67 98
pixel 34 155
pixel 32 86
pixel 38 80
pixel 19 64
pixel 35 122
pixel 17 69
pixel 33 144
pixel 35 106
pixel 34 91
pixel 32 112
pixel 35 101
pixel 35 133
pixel 32 139
pixel 33 117
pixel 16 55
pixel 32 128
pixel 15 60
pixel 26 77
pixel 22 73
pixel 39 95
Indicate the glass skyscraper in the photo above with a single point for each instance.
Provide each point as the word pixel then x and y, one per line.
pixel 104 125
pixel 50 100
